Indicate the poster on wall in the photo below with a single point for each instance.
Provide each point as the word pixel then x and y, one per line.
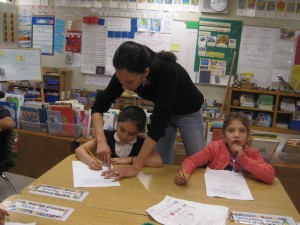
pixel 217 41
pixel 43 34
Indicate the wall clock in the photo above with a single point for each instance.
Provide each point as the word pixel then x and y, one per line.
pixel 218 5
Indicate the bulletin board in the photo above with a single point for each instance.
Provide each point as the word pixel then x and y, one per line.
pixel 217 41
pixel 259 50
pixel 20 64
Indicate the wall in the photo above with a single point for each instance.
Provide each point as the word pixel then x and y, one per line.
pixel 209 91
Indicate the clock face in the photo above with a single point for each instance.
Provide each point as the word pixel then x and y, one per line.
pixel 218 5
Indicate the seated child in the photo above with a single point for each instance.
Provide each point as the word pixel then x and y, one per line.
pixel 219 155
pixel 124 143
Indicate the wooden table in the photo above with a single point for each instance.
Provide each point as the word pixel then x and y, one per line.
pixel 137 194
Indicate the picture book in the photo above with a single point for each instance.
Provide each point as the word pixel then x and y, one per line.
pixel 263 119
pixel 265 146
pixel 30 114
pixel 247 100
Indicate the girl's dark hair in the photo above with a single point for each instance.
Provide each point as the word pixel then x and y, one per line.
pixel 135 115
pixel 236 116
pixel 135 57
pixel 7 142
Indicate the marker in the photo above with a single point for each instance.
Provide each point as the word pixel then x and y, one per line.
pixel 183 171
pixel 233 162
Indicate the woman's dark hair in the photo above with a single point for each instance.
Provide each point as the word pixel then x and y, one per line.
pixel 237 116
pixel 135 115
pixel 135 57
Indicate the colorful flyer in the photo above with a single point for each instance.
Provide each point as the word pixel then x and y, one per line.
pixel 40 209
pixel 58 192
pixel 257 218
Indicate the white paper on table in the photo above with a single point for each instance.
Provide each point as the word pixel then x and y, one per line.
pixel 177 211
pixel 226 184
pixel 85 177
pixel 13 223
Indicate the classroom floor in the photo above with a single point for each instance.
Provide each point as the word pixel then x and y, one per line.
pixel 19 182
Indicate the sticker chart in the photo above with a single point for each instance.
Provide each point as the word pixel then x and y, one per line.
pixel 93 48
pixel 58 192
pixel 40 209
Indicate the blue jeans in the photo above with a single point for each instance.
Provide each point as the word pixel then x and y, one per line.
pixel 191 130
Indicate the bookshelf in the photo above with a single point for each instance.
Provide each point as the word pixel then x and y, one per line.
pixel 277 115
pixel 55 80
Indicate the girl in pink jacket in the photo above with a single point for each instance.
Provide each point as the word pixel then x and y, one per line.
pixel 219 155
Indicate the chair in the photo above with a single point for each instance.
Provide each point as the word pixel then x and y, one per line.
pixel 8 160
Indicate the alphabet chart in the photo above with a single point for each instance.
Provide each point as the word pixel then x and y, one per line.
pixel 58 192
pixel 40 209
pixel 93 47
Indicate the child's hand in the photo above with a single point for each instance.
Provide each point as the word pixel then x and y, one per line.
pixel 122 160
pixel 236 149
pixel 3 213
pixel 95 165
pixel 181 179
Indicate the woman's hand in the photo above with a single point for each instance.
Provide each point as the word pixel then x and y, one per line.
pixel 120 173
pixel 95 165
pixel 122 160
pixel 103 153
pixel 3 213
pixel 181 179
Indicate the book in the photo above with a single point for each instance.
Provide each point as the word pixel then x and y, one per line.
pixel 292 146
pixel 30 114
pixel 247 100
pixel 263 119
pixel 266 147
pixel 265 102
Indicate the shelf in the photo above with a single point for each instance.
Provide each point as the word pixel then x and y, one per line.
pixel 251 109
pixel 277 115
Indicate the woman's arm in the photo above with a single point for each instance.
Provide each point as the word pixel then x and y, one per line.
pixel 83 155
pixel 154 160
pixel 103 151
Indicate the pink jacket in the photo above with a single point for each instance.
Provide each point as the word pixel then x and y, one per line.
pixel 216 156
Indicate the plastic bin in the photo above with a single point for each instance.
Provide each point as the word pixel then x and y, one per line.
pixel 39 127
pixel 295 125
pixel 88 133
pixel 64 129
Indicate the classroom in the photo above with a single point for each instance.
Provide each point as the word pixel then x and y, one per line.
pixel 234 58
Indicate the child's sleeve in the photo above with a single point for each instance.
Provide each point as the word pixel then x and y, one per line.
pixel 198 159
pixel 253 162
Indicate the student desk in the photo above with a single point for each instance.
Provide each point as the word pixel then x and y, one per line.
pixel 137 194
pixel 81 214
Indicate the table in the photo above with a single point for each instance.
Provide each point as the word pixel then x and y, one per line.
pixel 137 194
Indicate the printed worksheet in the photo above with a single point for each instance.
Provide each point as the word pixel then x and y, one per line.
pixel 178 211
pixel 58 192
pixel 85 177
pixel 40 209
pixel 226 184
pixel 13 223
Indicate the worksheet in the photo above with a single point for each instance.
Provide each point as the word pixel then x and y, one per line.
pixel 85 177
pixel 226 184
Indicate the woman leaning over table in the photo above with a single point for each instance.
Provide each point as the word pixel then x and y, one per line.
pixel 177 104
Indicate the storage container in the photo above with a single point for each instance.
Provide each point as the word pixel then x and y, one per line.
pixel 65 129
pixel 39 127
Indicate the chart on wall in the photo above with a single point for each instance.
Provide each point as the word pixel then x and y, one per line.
pixel 43 34
pixel 20 64
pixel 218 41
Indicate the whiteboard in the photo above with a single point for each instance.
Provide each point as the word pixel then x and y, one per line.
pixel 20 64
pixel 256 54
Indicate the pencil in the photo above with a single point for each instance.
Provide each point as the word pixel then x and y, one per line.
pixel 183 171
pixel 90 153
